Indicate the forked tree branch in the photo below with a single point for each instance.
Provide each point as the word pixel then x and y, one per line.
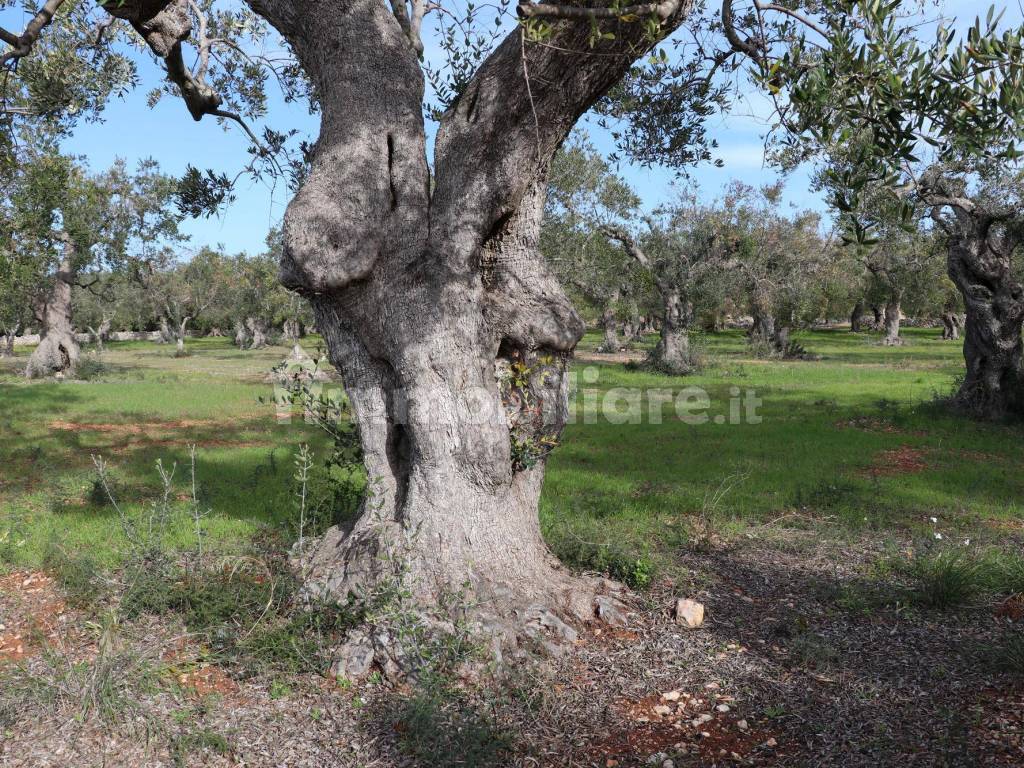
pixel 22 44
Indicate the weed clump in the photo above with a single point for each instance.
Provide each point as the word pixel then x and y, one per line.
pixel 77 573
pixel 632 568
pixel 946 579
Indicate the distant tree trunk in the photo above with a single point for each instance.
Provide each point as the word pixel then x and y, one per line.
pixel 241 335
pixel 892 322
pixel 101 334
pixel 876 312
pixel 291 330
pixel 259 332
pixel 672 353
pixel 58 352
pixel 180 339
pixel 714 321
pixel 762 330
pixel 166 337
pixel 857 316
pixel 950 326
pixel 10 334
pixel 610 324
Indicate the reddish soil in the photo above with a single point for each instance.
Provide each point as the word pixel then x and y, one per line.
pixel 898 461
pixel 133 428
pixel 32 615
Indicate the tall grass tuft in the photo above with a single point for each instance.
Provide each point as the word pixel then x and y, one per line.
pixel 946 579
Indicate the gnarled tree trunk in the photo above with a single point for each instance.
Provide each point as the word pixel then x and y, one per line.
pixel 241 335
pixel 10 333
pixel 180 337
pixel 258 332
pixel 857 317
pixel 764 332
pixel 101 334
pixel 993 385
pixel 58 351
pixel 950 326
pixel 876 313
pixel 892 322
pixel 428 290
pixel 166 337
pixel 291 330
pixel 672 353
pixel 610 324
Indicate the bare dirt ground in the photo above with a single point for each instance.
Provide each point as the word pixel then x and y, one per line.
pixel 802 661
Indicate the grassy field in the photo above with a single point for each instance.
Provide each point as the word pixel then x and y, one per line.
pixel 852 439
pixel 857 547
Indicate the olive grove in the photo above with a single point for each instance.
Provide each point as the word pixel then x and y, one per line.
pixel 425 276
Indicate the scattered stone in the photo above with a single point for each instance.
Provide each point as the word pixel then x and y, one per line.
pixel 667 696
pixel 663 709
pixel 689 613
pixel 609 611
pixel 539 618
pixel 699 720
pixel 355 657
pixel 771 743
pixel 722 707
pixel 742 725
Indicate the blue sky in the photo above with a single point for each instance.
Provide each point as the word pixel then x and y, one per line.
pixel 133 131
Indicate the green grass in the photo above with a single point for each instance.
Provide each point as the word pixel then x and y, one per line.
pixel 824 426
pixel 147 405
pixel 618 497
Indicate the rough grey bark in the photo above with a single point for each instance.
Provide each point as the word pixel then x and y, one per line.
pixel 102 334
pixel 857 317
pixel 980 266
pixel 166 337
pixel 610 324
pixel 950 326
pixel 58 351
pixel 672 353
pixel 764 333
pixel 179 336
pixel 291 330
pixel 892 322
pixel 241 335
pixel 427 290
pixel 257 332
pixel 10 333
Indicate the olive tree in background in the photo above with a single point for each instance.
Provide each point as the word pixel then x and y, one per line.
pixel 186 291
pixel 71 227
pixel 583 195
